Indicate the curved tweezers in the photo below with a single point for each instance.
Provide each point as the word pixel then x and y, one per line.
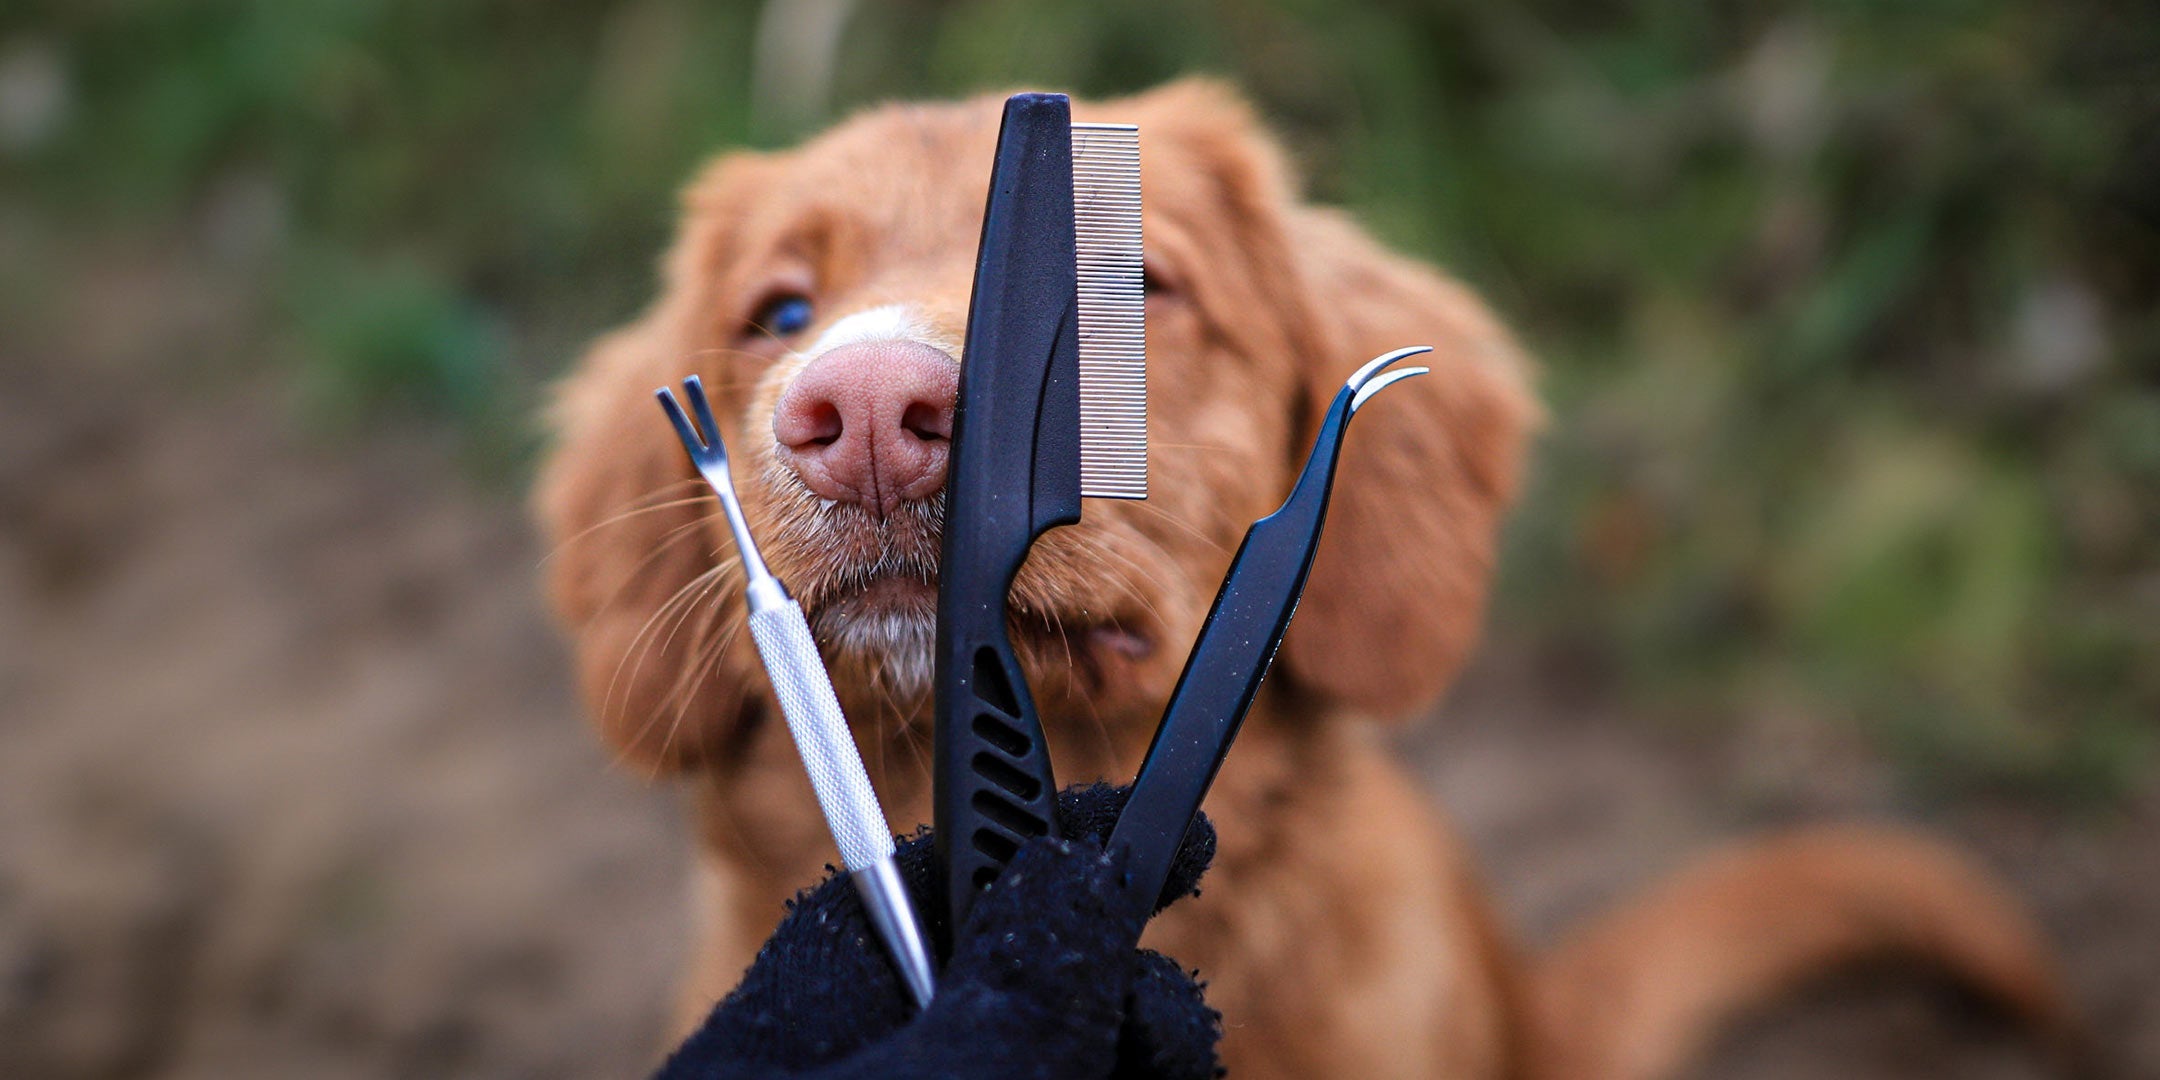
pixel 1236 644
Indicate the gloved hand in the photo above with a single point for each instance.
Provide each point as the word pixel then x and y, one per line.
pixel 1043 982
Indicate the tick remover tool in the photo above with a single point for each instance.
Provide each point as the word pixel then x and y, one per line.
pixel 813 713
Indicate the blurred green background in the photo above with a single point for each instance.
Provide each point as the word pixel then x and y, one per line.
pixel 1847 311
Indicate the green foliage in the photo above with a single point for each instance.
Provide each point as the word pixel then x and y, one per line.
pixel 1847 311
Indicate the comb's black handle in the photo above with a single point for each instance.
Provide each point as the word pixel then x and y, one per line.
pixel 1252 611
pixel 1014 473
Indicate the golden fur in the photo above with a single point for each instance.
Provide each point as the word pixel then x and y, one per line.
pixel 1343 930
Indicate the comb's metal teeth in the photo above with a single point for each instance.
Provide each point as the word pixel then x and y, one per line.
pixel 1113 311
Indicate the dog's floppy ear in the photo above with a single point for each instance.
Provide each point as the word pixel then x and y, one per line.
pixel 1398 588
pixel 617 499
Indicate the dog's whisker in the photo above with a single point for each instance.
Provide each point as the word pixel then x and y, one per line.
pixel 683 692
pixel 1181 523
pixel 1102 727
pixel 675 536
pixel 1113 553
pixel 1087 700
pixel 877 749
pixel 626 515
pixel 685 689
pixel 1161 553
pixel 730 564
pixel 725 351
pixel 1116 563
pixel 640 643
pixel 884 689
pixel 660 547
pixel 919 759
pixel 635 646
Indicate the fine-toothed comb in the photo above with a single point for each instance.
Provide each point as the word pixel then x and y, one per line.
pixel 813 714
pixel 1052 406
pixel 1236 644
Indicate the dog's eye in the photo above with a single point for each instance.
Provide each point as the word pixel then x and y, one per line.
pixel 783 316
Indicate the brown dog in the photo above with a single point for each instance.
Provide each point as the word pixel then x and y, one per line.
pixel 822 295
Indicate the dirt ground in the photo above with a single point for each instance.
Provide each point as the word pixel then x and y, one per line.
pixel 292 782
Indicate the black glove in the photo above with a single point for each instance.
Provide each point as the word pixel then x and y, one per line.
pixel 1044 981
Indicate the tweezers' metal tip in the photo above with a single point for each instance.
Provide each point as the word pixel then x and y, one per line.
pixel 1357 379
pixel 1383 382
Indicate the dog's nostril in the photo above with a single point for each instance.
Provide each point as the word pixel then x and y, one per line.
pixel 927 422
pixel 818 425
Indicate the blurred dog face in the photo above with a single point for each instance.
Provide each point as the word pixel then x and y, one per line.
pixel 822 295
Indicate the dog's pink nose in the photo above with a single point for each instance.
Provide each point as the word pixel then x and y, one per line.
pixel 870 423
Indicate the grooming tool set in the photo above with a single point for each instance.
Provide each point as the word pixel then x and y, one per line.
pixel 1051 407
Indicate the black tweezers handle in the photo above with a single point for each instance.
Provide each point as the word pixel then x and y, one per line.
pixel 1015 473
pixel 1252 610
